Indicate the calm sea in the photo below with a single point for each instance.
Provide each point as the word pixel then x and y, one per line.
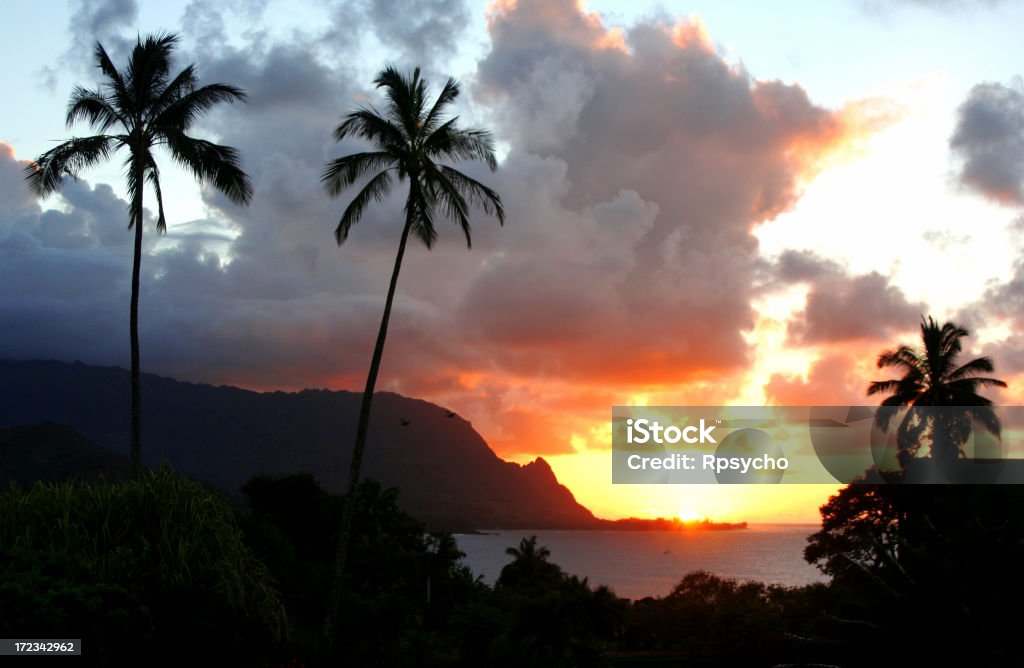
pixel 649 563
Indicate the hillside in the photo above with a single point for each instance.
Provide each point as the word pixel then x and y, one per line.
pixel 54 453
pixel 447 474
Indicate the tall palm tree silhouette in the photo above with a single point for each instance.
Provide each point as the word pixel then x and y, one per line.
pixel 932 376
pixel 138 109
pixel 410 139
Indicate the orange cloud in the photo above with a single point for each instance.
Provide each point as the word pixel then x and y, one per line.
pixel 692 34
pixel 838 378
pixel 813 139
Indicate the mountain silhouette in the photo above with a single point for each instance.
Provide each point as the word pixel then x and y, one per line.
pixel 448 476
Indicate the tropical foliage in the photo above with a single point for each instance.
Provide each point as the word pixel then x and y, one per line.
pixel 144 564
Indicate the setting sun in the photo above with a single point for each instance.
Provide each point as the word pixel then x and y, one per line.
pixel 689 515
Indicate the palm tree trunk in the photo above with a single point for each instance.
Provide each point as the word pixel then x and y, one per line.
pixel 348 510
pixel 136 455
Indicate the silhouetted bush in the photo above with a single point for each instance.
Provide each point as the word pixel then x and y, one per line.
pixel 403 585
pixel 152 571
pixel 926 572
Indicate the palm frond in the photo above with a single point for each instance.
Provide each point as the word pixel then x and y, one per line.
pixel 346 170
pixel 448 195
pixel 46 173
pixel 134 185
pixel 181 85
pixel 950 336
pixel 405 98
pixel 477 193
pixel 963 386
pixel 988 418
pixel 148 67
pixel 977 365
pixel 181 112
pixel 366 124
pixel 119 92
pixel 211 162
pixel 449 93
pixel 903 357
pixel 419 211
pixel 375 190
pixel 454 144
pixel 885 414
pixel 153 176
pixel 883 387
pixel 95 108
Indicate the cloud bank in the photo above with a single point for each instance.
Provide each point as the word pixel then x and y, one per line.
pixel 640 161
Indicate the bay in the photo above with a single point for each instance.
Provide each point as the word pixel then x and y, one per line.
pixel 636 564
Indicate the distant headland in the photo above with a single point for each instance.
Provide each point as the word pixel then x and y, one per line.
pixel 668 524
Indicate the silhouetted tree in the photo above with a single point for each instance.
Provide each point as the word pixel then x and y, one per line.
pixel 925 572
pixel 919 570
pixel 932 376
pixel 138 109
pixel 404 585
pixel 536 615
pixel 410 138
pixel 529 566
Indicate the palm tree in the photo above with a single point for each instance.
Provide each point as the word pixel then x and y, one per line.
pixel 932 376
pixel 409 139
pixel 138 109
pixel 528 552
pixel 529 566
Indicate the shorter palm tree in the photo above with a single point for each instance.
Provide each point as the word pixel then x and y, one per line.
pixel 932 376
pixel 529 567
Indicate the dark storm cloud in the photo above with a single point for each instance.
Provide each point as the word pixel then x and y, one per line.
pixel 1001 304
pixel 839 306
pixel 857 307
pixel 798 266
pixel 989 140
pixel 1005 301
pixel 109 22
pixel 420 32
pixel 1007 355
pixel 61 271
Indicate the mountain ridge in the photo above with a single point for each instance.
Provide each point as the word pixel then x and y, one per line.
pixel 447 474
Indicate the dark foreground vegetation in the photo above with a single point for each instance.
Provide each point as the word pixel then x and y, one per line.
pixel 164 571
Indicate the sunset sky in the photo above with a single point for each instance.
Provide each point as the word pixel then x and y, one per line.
pixel 707 203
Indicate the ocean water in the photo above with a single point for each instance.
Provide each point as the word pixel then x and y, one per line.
pixel 649 563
